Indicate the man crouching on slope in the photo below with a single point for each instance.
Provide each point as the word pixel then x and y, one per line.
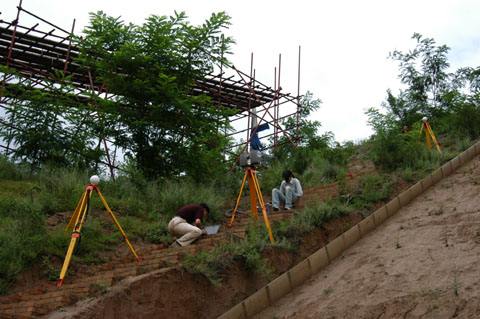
pixel 186 223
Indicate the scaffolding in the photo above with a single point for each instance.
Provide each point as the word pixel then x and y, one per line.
pixel 38 53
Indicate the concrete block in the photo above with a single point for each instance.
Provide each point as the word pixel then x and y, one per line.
pixel 455 163
pixel 351 236
pixel 426 182
pixel 393 206
pixel 471 152
pixel 416 189
pixel 279 287
pixel 318 260
pixel 437 175
pixel 447 169
pixel 405 197
pixel 335 248
pixel 256 302
pixel 300 272
pixel 463 157
pixel 237 312
pixel 366 225
pixel 380 215
pixel 475 149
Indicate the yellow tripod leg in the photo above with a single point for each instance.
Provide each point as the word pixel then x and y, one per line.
pixel 434 138
pixel 253 197
pixel 80 215
pixel 115 221
pixel 234 212
pixel 428 139
pixel 264 211
pixel 68 257
pixel 76 213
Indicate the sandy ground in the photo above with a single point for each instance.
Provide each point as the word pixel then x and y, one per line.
pixel 424 262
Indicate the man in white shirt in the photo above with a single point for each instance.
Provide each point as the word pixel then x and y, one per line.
pixel 290 190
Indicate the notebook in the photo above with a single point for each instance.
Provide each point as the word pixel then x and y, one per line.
pixel 212 229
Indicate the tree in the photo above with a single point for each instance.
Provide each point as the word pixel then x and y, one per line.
pixel 151 68
pixel 45 125
pixel 424 71
pixel 305 133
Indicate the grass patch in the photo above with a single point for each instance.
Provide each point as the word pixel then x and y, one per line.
pixel 22 236
pixel 248 252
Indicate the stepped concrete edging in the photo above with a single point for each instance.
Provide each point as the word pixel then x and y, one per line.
pixel 285 283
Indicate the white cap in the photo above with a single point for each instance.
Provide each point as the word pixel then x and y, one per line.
pixel 424 119
pixel 94 179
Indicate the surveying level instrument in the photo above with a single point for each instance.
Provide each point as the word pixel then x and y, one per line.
pixel 255 194
pixel 78 219
pixel 429 136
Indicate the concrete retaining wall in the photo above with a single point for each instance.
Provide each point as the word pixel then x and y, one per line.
pixel 297 275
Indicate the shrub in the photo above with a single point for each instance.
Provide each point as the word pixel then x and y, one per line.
pixel 213 264
pixel 311 218
pixel 9 170
pixel 22 236
pixel 175 194
pixel 60 189
pixel 392 149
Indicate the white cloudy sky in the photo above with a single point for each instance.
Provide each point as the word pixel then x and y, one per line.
pixel 345 43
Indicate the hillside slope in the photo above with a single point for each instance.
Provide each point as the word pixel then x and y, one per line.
pixel 421 263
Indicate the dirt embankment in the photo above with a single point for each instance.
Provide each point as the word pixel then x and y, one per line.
pixel 422 263
pixel 173 293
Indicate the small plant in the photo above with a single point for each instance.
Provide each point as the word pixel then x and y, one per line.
pixel 327 291
pixel 49 269
pixel 97 289
pixel 213 264
pixel 456 284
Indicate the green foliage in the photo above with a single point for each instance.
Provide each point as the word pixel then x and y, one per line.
pixel 22 236
pixel 49 126
pixel 424 71
pixel 248 252
pixel 372 189
pixel 305 131
pixel 391 150
pixel 151 230
pixel 59 189
pixel 320 171
pixel 450 101
pixel 175 194
pixel 310 218
pixel 166 130
pixel 9 170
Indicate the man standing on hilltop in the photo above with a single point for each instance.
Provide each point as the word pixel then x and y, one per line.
pixel 186 223
pixel 290 190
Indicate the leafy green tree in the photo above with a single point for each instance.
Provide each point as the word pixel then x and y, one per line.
pixel 424 71
pixel 303 135
pixel 45 126
pixel 151 69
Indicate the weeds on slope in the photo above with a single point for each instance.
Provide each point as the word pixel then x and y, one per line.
pixel 249 252
pixel 28 201
pixel 213 264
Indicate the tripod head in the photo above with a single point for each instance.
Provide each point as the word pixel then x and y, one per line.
pixel 250 159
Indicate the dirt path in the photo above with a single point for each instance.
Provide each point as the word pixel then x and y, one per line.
pixel 424 262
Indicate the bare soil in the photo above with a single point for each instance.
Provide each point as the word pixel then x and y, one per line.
pixel 174 293
pixel 424 262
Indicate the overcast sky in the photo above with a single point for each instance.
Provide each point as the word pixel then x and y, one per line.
pixel 345 44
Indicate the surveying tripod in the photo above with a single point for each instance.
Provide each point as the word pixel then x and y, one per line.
pixel 77 221
pixel 255 197
pixel 429 136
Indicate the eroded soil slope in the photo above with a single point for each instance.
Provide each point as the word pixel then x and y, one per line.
pixel 424 262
